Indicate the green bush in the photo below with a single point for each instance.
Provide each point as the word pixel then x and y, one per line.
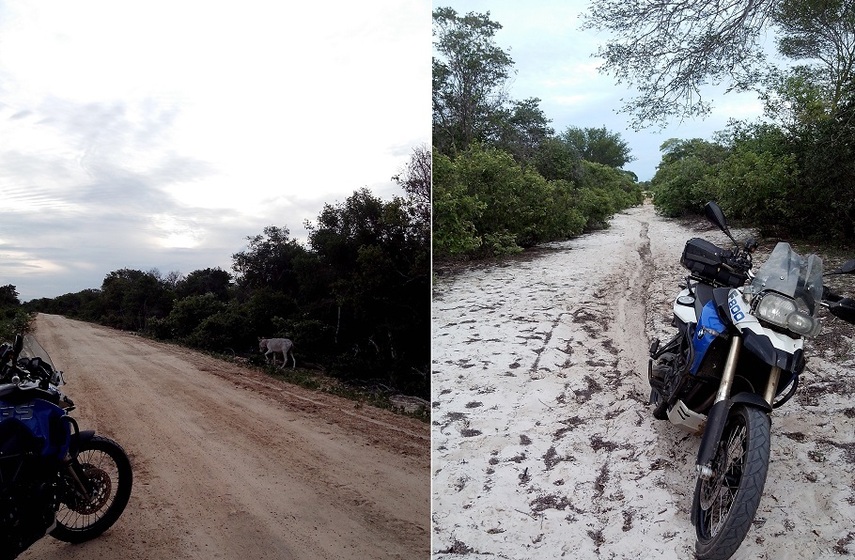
pixel 454 212
pixel 486 203
pixel 754 187
pixel 186 316
pixel 224 330
pixel 603 191
pixel 13 321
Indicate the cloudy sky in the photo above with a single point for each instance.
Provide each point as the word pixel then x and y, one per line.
pixel 161 134
pixel 553 61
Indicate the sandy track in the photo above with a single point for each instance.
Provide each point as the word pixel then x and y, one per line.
pixel 229 463
pixel 544 445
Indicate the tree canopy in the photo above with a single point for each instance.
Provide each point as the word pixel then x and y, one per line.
pixel 598 145
pixel 669 50
pixel 468 78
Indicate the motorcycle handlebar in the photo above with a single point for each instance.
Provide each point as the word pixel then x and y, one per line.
pixel 843 308
pixel 739 261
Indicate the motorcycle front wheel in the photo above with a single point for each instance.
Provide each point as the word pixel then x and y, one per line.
pixel 724 505
pixel 108 477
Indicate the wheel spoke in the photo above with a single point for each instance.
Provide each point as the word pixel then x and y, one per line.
pixel 720 490
pixel 103 476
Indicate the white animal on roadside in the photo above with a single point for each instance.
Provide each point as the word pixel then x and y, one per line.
pixel 273 346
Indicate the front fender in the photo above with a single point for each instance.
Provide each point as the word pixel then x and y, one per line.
pixel 717 418
pixel 753 400
pixel 79 438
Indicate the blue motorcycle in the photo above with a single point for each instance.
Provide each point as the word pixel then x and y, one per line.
pixel 737 355
pixel 54 478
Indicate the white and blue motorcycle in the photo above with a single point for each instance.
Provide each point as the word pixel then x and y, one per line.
pixel 737 355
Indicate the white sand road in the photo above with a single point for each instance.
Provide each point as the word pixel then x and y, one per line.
pixel 230 463
pixel 544 446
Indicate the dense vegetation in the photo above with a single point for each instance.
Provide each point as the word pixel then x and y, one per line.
pixel 13 319
pixel 503 180
pixel 355 298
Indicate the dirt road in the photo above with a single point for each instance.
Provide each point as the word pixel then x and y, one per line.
pixel 544 445
pixel 229 463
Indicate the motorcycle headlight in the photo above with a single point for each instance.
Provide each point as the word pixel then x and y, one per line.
pixel 775 309
pixel 803 324
pixel 783 312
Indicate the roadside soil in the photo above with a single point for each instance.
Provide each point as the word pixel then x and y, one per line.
pixel 544 445
pixel 230 463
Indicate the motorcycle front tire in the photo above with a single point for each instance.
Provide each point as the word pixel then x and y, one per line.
pixel 110 475
pixel 740 466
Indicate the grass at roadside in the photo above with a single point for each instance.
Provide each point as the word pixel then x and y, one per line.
pixel 376 395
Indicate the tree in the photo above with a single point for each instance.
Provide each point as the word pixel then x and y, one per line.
pixel 670 49
pixel 131 297
pixel 598 145
pixel 821 32
pixel 678 185
pixel 556 160
pixel 9 296
pixel 270 260
pixel 215 281
pixel 188 314
pixel 522 129
pixel 416 182
pixel 379 285
pixel 469 76
pixel 796 99
pixel 455 212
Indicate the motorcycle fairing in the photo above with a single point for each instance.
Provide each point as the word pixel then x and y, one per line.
pixel 16 438
pixel 763 347
pixel 710 326
pixel 685 312
pixel 45 422
pixel 774 348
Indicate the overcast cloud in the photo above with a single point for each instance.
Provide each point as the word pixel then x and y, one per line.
pixel 553 62
pixel 161 134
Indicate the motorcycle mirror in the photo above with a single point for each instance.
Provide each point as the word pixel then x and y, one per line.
pixel 843 309
pixel 715 214
pixel 846 268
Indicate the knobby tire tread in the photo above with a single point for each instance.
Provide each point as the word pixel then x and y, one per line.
pixel 747 500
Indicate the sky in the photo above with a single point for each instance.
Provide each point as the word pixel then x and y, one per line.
pixel 553 61
pixel 161 134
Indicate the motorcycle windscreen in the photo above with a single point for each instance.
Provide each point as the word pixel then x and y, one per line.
pixel 710 326
pixel 788 273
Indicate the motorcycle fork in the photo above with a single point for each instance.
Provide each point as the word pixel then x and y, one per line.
pixel 717 416
pixel 772 385
pixel 729 373
pixel 74 471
